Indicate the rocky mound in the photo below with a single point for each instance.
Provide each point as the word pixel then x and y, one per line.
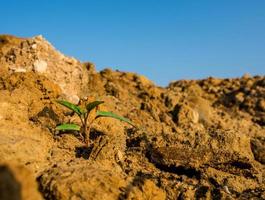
pixel 200 139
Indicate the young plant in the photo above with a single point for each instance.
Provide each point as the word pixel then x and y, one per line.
pixel 84 115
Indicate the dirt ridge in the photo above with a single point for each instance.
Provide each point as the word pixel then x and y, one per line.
pixel 197 139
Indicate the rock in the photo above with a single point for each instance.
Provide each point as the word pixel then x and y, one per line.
pixel 215 81
pixel 258 149
pixel 203 108
pixel 194 110
pixel 24 144
pixel 34 46
pixel 20 139
pixel 40 66
pixel 72 98
pixel 184 115
pixel 261 104
pixel 239 97
pixel 79 180
pixel 90 67
pixel 18 69
pixel 39 55
pixel 246 76
pixel 146 190
pixel 17 183
pixel 176 156
pixel 194 90
pixel 143 80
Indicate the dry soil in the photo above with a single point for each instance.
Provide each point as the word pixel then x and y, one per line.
pixel 194 139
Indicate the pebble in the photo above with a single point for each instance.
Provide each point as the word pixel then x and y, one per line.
pixel 119 156
pixel 40 66
pixel 261 104
pixel 227 190
pixel 240 97
pixel 73 99
pixel 18 69
pixel 34 46
pixel 258 149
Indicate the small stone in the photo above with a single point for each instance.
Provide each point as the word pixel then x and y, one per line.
pixel 18 69
pixel 195 116
pixel 34 46
pixel 40 66
pixel 246 76
pixel 143 80
pixel 119 156
pixel 39 37
pixel 239 97
pixel 90 66
pixel 249 83
pixel 261 104
pixel 258 149
pixel 215 81
pixel 201 107
pixel 73 99
pixel 226 190
pixel 183 114
pixel 146 190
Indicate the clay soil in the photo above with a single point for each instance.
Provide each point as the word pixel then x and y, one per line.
pixel 194 139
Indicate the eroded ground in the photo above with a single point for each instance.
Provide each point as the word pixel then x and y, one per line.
pixel 200 139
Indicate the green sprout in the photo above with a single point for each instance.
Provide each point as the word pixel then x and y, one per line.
pixel 84 115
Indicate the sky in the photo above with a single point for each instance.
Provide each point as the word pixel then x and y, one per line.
pixel 164 40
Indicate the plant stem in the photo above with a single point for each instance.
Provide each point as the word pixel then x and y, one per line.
pixel 83 128
pixel 86 137
pixel 88 130
pixel 84 132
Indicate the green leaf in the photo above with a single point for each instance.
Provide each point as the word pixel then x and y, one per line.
pixel 93 105
pixel 112 115
pixel 71 106
pixel 68 127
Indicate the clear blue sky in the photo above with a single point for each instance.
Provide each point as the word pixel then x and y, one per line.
pixel 164 40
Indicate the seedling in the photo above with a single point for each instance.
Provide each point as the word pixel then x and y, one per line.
pixel 86 121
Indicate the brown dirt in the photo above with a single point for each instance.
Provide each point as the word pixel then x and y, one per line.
pixel 197 139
